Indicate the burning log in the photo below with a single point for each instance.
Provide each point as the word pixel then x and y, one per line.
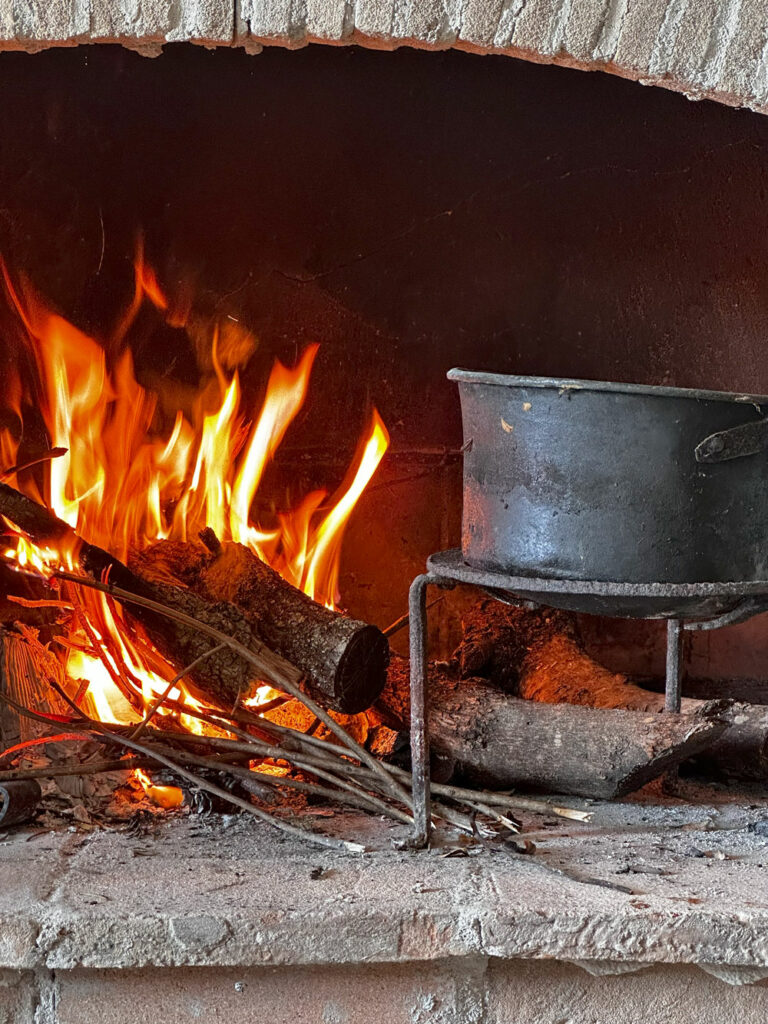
pixel 236 593
pixel 345 660
pixel 496 740
pixel 224 677
pixel 539 656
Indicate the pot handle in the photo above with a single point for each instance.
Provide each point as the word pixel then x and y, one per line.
pixel 746 439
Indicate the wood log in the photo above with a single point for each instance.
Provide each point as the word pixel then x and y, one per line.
pixel 493 739
pixel 25 673
pixel 10 726
pixel 539 656
pixel 223 678
pixel 345 660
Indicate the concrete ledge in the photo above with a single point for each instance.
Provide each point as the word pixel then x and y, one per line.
pixel 613 896
pixel 716 49
pixel 654 910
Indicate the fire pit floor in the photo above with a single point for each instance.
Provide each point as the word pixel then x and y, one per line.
pixel 660 901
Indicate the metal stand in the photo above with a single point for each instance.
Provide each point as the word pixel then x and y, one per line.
pixel 417 611
pixel 446 569
pixel 674 677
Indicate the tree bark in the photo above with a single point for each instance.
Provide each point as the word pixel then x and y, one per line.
pixel 345 660
pixel 493 739
pixel 538 656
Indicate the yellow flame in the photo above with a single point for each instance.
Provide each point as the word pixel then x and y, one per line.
pixel 321 578
pixel 264 694
pixel 163 796
pixel 123 485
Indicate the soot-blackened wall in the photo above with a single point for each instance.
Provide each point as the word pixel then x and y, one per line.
pixel 410 211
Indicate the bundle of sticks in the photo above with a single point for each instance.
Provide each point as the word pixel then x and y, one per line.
pixel 344 773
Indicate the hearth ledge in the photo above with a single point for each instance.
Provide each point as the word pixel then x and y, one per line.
pixel 613 897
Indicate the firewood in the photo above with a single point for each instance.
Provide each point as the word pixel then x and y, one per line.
pixel 224 677
pixel 345 660
pixel 493 739
pixel 10 726
pixel 539 656
pixel 26 668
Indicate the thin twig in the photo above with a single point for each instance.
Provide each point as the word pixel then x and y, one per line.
pixel 52 453
pixel 50 720
pixel 68 700
pixel 340 796
pixel 223 794
pixel 75 770
pixel 368 800
pixel 11 753
pixel 314 765
pixel 155 706
pixel 510 800
pixel 277 676
pixel 26 603
pixel 476 805
pixel 127 691
pixel 403 621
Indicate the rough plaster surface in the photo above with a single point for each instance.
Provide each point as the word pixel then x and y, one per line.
pixel 642 884
pixel 654 910
pixel 704 48
pixel 18 996
pixel 386 993
pixel 477 992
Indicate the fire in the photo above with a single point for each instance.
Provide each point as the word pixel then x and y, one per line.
pixel 123 482
pixel 163 796
pixel 264 694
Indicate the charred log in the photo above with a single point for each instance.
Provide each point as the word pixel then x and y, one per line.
pixel 229 588
pixel 223 678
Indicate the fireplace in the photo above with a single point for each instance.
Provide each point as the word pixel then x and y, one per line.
pixel 340 227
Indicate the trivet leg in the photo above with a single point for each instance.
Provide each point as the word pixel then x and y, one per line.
pixel 417 611
pixel 672 694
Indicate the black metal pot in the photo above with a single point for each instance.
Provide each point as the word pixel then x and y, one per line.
pixel 587 480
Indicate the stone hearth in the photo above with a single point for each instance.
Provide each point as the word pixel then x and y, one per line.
pixel 654 910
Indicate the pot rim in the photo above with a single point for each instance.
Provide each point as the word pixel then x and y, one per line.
pixel 566 384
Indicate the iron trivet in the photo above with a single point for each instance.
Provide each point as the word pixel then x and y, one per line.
pixel 685 606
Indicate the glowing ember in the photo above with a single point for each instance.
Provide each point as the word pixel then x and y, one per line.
pixel 124 483
pixel 263 695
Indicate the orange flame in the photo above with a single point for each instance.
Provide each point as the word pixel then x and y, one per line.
pixel 123 484
pixel 163 796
